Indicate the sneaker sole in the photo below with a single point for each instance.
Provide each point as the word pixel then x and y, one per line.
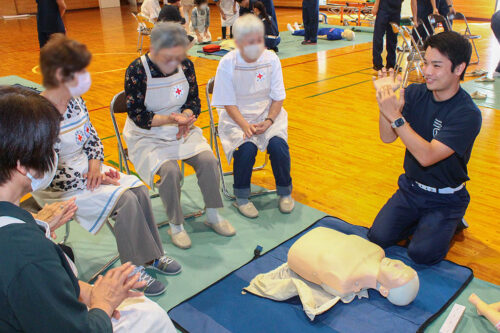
pixel 151 294
pixel 163 272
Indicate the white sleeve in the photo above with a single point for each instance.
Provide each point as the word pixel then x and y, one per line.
pixel 224 93
pixel 277 85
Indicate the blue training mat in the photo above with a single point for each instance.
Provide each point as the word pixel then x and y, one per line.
pixel 223 308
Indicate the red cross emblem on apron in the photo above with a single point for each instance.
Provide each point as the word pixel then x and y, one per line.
pixel 178 91
pixel 80 137
pixel 259 76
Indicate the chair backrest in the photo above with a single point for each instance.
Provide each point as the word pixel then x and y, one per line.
pixel 435 20
pixel 119 103
pixel 145 21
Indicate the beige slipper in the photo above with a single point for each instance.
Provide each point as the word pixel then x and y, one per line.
pixel 286 204
pixel 477 72
pixel 486 79
pixel 247 210
pixel 223 228
pixel 180 239
pixel 478 95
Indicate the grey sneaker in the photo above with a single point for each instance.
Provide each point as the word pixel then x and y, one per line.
pixel 166 265
pixel 153 287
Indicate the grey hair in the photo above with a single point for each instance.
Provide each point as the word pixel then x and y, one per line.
pixel 247 24
pixel 167 35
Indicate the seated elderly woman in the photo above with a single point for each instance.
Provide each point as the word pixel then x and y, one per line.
pixel 100 191
pixel 40 291
pixel 163 104
pixel 249 93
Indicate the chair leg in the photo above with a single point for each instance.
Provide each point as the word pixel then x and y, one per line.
pixel 475 50
pixel 66 233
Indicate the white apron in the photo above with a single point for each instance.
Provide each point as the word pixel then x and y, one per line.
pixel 149 149
pixel 252 85
pixel 227 8
pixel 94 207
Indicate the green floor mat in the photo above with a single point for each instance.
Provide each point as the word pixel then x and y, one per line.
pixel 471 322
pixel 14 79
pixel 491 89
pixel 290 45
pixel 211 256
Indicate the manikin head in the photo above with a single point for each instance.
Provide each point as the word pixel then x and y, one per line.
pixel 447 55
pixel 348 34
pixel 248 33
pixel 169 44
pixel 397 281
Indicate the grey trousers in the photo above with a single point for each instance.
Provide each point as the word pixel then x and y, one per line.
pixel 169 186
pixel 135 228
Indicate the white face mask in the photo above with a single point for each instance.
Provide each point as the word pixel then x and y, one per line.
pixel 82 86
pixel 169 67
pixel 42 183
pixel 253 51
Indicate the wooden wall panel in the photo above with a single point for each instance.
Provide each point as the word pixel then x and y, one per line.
pixel 29 6
pixel 7 7
pixel 482 9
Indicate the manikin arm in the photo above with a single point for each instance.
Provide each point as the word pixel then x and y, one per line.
pixel 490 311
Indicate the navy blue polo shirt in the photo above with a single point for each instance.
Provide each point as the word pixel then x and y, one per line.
pixel 391 5
pixel 455 122
pixel 48 17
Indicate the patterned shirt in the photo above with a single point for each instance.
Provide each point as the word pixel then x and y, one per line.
pixel 135 89
pixel 67 178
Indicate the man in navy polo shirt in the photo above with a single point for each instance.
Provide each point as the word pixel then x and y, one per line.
pixel 49 19
pixel 438 123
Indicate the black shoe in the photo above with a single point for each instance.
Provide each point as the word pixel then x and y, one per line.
pixel 462 226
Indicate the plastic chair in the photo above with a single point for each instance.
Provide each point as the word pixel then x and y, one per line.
pixel 144 27
pixel 119 105
pixel 467 33
pixel 214 143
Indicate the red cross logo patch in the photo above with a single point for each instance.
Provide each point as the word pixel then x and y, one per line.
pixel 260 76
pixel 80 137
pixel 178 91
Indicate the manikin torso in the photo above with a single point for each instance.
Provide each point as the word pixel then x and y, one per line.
pixel 343 263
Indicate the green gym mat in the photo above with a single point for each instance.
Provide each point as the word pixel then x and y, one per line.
pixel 212 256
pixel 14 79
pixel 491 89
pixel 290 45
pixel 471 322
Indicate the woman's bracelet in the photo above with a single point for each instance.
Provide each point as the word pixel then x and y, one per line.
pixel 272 121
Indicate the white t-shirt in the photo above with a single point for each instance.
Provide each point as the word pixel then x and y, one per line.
pixel 151 9
pixel 224 88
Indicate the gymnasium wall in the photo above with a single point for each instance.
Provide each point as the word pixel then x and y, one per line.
pixel 13 7
pixel 482 9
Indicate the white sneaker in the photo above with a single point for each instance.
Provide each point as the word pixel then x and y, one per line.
pixel 286 204
pixel 290 28
pixel 296 26
pixel 478 95
pixel 180 239
pixel 247 210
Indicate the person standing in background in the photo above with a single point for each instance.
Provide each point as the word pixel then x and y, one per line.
pixel 310 15
pixel 421 9
pixel 495 26
pixel 229 12
pixel 49 19
pixel 387 11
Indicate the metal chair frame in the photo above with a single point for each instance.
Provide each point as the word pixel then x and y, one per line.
pixel 467 33
pixel 435 20
pixel 214 143
pixel 414 57
pixel 123 154
pixel 144 27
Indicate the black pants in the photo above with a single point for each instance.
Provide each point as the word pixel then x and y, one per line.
pixel 43 37
pixel 310 17
pixel 383 27
pixel 495 26
pixel 431 218
pixel 224 32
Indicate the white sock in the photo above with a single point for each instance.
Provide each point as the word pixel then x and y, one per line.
pixel 176 228
pixel 213 216
pixel 286 196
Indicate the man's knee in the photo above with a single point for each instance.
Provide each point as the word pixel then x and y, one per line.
pixel 380 237
pixel 425 255
pixel 278 147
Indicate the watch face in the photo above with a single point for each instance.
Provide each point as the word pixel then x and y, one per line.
pixel 399 122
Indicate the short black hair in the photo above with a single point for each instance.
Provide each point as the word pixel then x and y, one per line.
pixel 173 1
pixel 454 46
pixel 199 2
pixel 29 127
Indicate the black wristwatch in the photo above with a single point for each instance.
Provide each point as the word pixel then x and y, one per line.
pixel 398 122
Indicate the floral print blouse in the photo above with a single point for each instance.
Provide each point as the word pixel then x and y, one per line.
pixel 135 89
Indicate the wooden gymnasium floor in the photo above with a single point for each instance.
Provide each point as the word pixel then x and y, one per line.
pixel 339 165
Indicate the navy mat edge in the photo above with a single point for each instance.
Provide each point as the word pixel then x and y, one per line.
pixel 258 254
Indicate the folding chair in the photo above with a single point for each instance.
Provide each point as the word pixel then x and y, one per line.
pixel 119 105
pixel 214 134
pixel 467 33
pixel 415 56
pixel 144 27
pixel 436 20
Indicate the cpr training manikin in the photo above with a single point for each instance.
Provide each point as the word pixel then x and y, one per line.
pixel 325 266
